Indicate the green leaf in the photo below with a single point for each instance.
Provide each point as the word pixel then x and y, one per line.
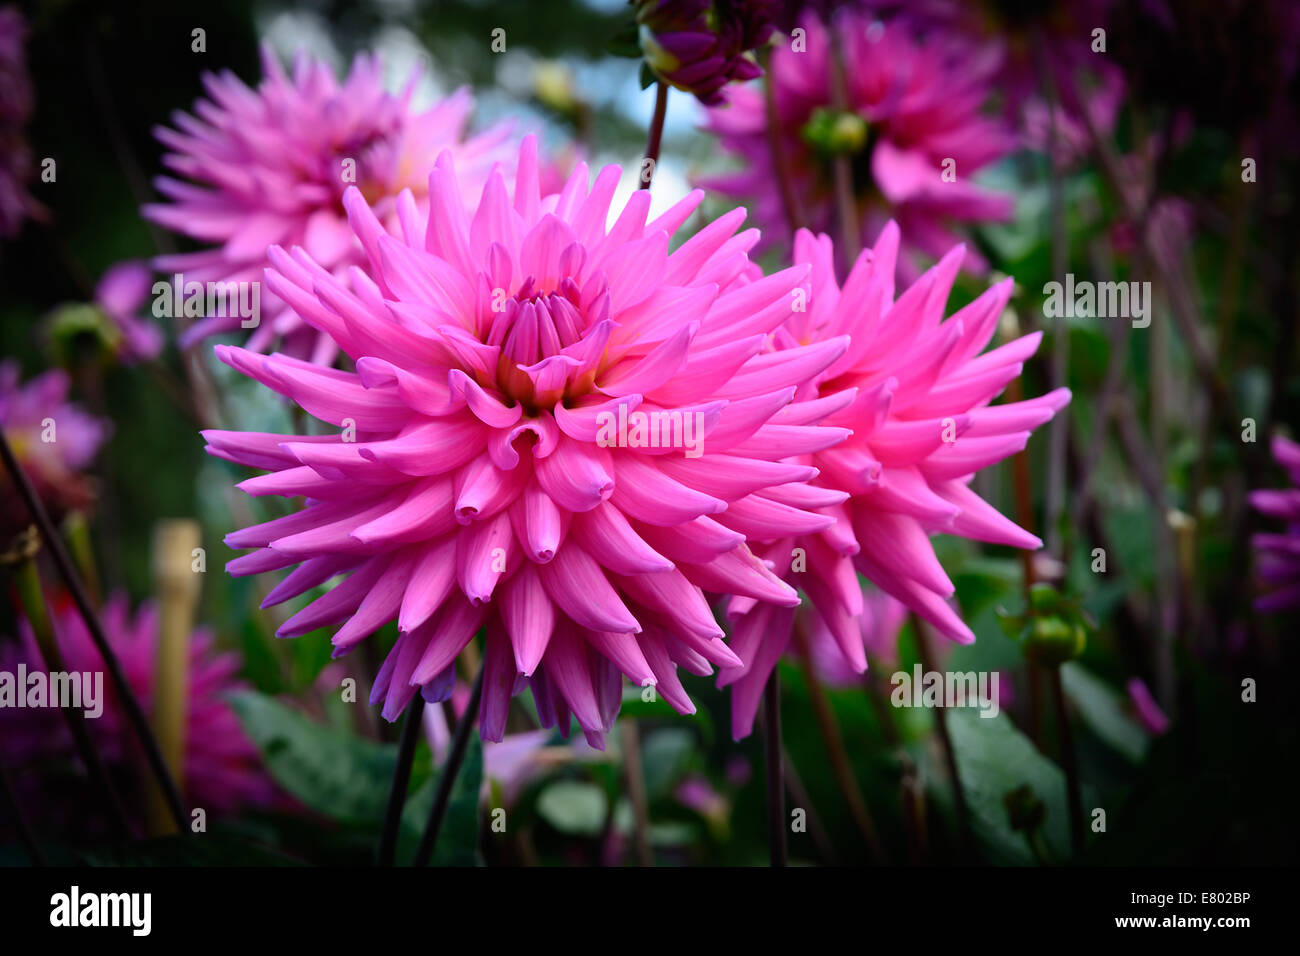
pixel 648 78
pixel 335 773
pixel 1102 709
pixel 574 807
pixel 993 759
pixel 665 756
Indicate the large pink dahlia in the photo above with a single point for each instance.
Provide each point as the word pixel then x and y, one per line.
pixel 222 770
pixel 513 367
pixel 922 426
pixel 1278 555
pixel 914 107
pixel 270 166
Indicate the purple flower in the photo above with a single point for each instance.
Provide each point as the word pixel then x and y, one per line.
pixel 121 292
pixel 222 769
pixel 1278 555
pixel 270 166
pixel 1148 712
pixel 53 440
pixel 913 130
pixel 702 45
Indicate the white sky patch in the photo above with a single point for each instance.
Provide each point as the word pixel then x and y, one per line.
pixel 668 186
pixel 290 32
pixel 401 52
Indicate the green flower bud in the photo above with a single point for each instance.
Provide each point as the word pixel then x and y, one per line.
pixel 1053 641
pixel 835 132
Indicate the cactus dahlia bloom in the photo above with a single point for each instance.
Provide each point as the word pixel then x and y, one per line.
pixel 1279 554
pixel 910 109
pixel 514 464
pixel 53 439
pixel 922 426
pixel 222 770
pixel 269 167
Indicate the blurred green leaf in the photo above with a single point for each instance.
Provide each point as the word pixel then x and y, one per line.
pixel 665 756
pixel 574 807
pixel 338 774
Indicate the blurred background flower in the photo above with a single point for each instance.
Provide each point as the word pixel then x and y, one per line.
pixel 221 770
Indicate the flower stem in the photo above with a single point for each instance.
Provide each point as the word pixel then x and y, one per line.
pixel 450 771
pixel 780 165
pixel 1069 762
pixel 841 768
pixel 135 716
pixel 941 720
pixel 802 798
pixel 775 770
pixel 401 780
pixel 629 735
pixel 846 204
pixel 655 136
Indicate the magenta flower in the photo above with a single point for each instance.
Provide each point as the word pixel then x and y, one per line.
pixel 1148 712
pixel 54 441
pixel 556 431
pixel 269 167
pixel 121 293
pixel 700 46
pixel 880 622
pixel 1278 555
pixel 915 392
pixel 222 769
pixel 915 110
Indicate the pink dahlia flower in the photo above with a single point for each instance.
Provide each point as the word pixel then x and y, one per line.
pixel 919 393
pixel 509 459
pixel 53 439
pixel 1278 555
pixel 222 769
pixel 921 107
pixel 269 167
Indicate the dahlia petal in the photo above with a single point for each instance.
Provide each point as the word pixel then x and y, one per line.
pixel 337 603
pixel 444 636
pixel 581 590
pixel 606 535
pixel 574 476
pixel 431 581
pixel 647 494
pixel 529 618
